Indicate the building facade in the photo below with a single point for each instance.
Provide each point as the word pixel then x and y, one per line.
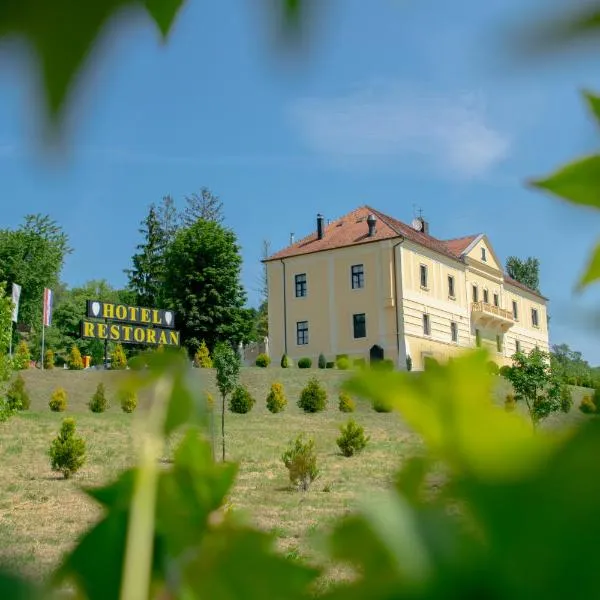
pixel 370 286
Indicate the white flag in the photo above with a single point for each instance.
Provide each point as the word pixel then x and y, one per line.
pixel 16 295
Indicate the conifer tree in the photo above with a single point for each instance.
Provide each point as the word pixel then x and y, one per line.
pixel 147 276
pixel 75 360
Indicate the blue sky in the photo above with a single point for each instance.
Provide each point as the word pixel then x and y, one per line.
pixel 391 103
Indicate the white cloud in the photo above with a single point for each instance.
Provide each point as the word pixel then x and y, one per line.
pixel 392 121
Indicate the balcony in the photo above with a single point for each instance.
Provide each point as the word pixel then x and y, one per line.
pixel 487 315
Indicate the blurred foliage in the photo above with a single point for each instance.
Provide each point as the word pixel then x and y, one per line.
pixel 513 516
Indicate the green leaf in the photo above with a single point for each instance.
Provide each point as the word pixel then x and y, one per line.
pixel 577 182
pixel 593 103
pixel 61 48
pixel 592 271
pixel 197 487
pixel 15 588
pixel 164 12
pixel 451 407
pixel 238 564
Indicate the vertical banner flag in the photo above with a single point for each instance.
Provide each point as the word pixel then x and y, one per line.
pixel 48 296
pixel 16 296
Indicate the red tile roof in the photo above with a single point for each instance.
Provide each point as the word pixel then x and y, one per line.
pixel 352 229
pixel 459 245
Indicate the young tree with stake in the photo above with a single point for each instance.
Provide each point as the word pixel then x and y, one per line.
pixel 227 364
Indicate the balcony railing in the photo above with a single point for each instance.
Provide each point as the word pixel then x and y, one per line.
pixel 490 313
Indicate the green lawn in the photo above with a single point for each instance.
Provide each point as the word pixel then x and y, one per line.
pixel 41 514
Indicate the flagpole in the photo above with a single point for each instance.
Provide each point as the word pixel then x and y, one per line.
pixel 43 331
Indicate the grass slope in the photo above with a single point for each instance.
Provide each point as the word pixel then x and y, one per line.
pixel 41 515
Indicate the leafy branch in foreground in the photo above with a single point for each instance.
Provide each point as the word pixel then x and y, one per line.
pixel 579 183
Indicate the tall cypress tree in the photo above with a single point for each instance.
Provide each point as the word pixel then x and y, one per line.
pixel 147 277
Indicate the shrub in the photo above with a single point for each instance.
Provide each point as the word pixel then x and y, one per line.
pixel 22 356
pixel 75 360
pixel 5 411
pixel 510 404
pixel 566 398
pixel 304 363
pixel 118 360
pixel 99 403
pixel 382 405
pixel 58 400
pixel 210 401
pixel 263 360
pixel 504 371
pixel 300 460
pixel 493 368
pixel 346 404
pixel 6 367
pixel 342 363
pixel 276 400
pixel 587 406
pixel 361 363
pixel 387 364
pixel 49 359
pixel 17 397
pixel 67 452
pixel 128 400
pixel 286 362
pixel 202 359
pixel 313 397
pixel 429 362
pixel 322 362
pixel 352 438
pixel 330 365
pixel 241 401
pixel 408 363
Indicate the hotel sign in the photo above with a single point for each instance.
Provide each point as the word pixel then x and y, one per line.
pixel 130 324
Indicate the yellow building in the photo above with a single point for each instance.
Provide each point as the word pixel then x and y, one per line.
pixel 368 285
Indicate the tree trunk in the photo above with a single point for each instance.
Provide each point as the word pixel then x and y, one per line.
pixel 223 425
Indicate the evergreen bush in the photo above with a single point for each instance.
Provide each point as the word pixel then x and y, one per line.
pixel 566 398
pixel 342 363
pixel 322 362
pixel 382 405
pixel 313 397
pixel 99 403
pixel 241 401
pixel 587 406
pixel 493 368
pixel 263 360
pixel 118 360
pixel 128 400
pixel 58 400
pixel 202 359
pixel 276 400
pixel 300 460
pixel 352 439
pixel 49 360
pixel 75 360
pixel 304 363
pixel 17 397
pixel 346 404
pixel 286 362
pixel 67 452
pixel 22 356
pixel 409 363
pixel 330 365
pixel 504 371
